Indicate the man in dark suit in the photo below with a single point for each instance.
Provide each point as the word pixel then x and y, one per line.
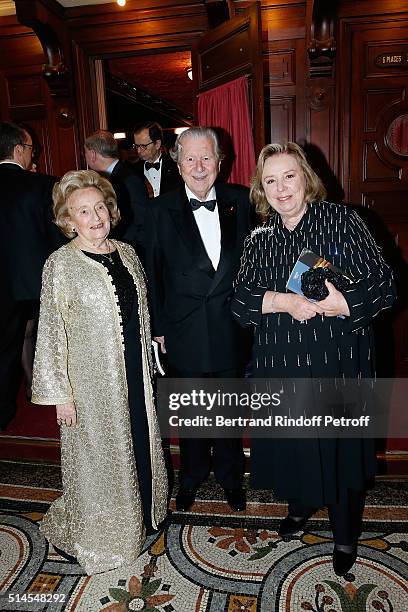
pixel 102 155
pixel 157 168
pixel 27 238
pixel 196 240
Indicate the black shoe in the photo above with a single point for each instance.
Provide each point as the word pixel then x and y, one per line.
pixel 185 499
pixel 343 561
pixel 65 555
pixel 290 526
pixel 236 499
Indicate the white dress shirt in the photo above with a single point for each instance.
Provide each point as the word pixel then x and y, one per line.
pixel 11 161
pixel 111 166
pixel 208 223
pixel 154 176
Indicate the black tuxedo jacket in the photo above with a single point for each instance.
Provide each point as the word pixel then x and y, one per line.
pixel 190 301
pixel 170 177
pixel 28 235
pixel 132 200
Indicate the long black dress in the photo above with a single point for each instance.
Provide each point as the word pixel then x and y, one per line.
pixel 313 471
pixel 128 306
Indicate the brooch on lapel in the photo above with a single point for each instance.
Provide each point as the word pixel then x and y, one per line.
pixel 262 229
pixel 231 208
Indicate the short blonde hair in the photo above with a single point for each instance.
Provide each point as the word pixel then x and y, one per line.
pixel 314 188
pixel 81 179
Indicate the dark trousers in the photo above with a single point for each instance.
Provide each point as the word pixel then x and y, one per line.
pixel 227 459
pixel 27 357
pixel 346 516
pixel 13 320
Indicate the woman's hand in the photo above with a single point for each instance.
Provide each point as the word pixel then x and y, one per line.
pixel 300 308
pixel 296 305
pixel 335 304
pixel 66 414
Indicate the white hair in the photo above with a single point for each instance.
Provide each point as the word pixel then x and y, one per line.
pixel 196 133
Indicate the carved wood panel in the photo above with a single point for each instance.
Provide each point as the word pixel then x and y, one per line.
pixel 285 91
pixel 25 101
pixel 392 208
pixel 25 90
pixel 376 101
pixel 376 169
pixel 387 58
pixel 283 119
pixel 280 67
pixel 230 57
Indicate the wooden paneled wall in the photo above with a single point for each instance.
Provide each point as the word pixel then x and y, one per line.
pixel 25 96
pixel 302 100
pixel 299 96
pixel 283 33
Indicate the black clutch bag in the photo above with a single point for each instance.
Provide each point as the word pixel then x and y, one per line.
pixel 313 286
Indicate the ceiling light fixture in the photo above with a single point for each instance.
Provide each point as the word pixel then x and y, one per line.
pixel 121 2
pixel 180 130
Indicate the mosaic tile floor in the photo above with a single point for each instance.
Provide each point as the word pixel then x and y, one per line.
pixel 208 560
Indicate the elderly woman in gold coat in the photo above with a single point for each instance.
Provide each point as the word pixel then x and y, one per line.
pixel 93 361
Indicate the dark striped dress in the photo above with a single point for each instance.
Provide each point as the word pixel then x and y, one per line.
pixel 314 471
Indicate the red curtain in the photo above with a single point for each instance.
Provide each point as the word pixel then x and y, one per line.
pixel 226 109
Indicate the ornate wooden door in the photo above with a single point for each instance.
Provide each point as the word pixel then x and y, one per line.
pixel 374 143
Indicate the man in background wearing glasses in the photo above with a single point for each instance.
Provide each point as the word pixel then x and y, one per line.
pixel 28 236
pixel 157 168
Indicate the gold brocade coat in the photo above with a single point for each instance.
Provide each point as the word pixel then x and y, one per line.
pixel 80 358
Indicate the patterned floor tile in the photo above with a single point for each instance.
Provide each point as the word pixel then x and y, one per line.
pixel 207 560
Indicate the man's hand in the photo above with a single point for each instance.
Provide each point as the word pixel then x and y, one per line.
pixel 66 414
pixel 160 340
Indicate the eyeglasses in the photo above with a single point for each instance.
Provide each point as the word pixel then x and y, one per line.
pixel 142 146
pixel 24 144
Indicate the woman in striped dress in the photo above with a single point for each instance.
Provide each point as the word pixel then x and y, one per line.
pixel 298 338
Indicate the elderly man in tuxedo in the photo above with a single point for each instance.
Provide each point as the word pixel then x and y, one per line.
pixel 156 167
pixel 28 236
pixel 102 155
pixel 196 240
